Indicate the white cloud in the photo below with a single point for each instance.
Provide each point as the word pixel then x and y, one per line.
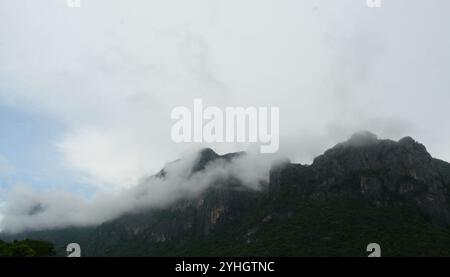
pixel 332 68
pixel 105 158
pixel 27 209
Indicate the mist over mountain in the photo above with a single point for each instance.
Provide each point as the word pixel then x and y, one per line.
pixel 136 128
pixel 360 191
pixel 186 177
pixel 97 110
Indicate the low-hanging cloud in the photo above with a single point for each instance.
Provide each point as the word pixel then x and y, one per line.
pixel 27 209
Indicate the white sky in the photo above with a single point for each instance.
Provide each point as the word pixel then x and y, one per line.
pixel 110 72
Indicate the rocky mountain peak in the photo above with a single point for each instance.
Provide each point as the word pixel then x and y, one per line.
pixel 365 151
pixel 363 138
pixel 205 156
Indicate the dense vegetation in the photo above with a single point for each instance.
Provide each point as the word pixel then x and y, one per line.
pixel 310 229
pixel 286 226
pixel 26 248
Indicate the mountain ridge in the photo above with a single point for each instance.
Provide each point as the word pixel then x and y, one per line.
pixel 359 186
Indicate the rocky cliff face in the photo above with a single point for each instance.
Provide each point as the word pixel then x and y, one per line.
pixel 364 186
pixel 379 171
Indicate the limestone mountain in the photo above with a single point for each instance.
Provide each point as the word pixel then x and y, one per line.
pixel 361 191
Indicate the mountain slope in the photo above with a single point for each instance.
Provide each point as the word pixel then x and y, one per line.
pixel 361 191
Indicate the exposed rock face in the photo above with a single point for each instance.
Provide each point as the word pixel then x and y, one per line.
pixel 216 212
pixel 383 171
pixel 380 171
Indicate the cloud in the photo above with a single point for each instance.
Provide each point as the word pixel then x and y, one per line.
pixel 104 158
pixel 27 209
pixel 332 68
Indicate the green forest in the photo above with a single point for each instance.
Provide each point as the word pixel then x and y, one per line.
pixel 26 248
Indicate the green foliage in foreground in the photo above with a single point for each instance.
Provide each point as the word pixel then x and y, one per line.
pixel 26 248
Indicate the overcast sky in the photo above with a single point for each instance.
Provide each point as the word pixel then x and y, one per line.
pixel 86 93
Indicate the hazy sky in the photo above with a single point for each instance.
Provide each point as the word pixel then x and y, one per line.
pixel 86 93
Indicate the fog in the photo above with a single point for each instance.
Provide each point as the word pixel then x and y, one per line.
pixel 27 209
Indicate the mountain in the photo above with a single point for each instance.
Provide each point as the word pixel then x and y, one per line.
pixel 361 191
